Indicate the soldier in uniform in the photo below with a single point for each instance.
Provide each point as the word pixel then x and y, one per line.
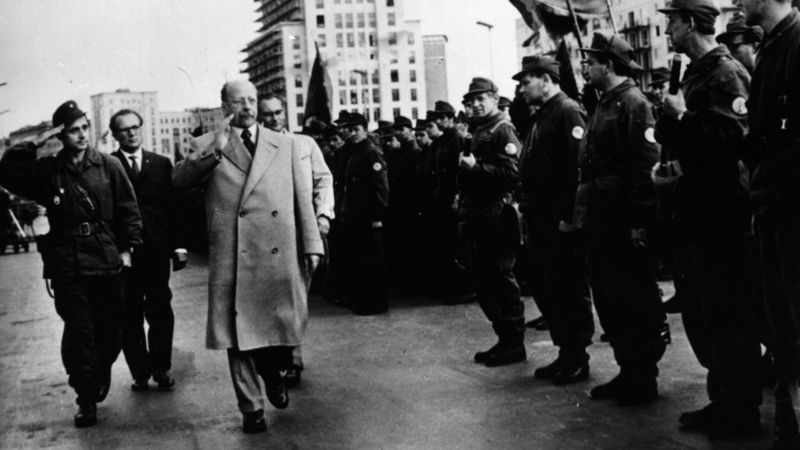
pixel 488 176
pixel 549 173
pixel 774 158
pixel 615 208
pixel 705 124
pixel 366 195
pixel 94 226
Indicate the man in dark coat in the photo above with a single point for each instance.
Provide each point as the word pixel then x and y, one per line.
pixel 94 227
pixel 774 159
pixel 147 293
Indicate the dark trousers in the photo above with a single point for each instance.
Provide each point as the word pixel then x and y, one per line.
pixel 147 297
pixel 493 256
pixel 252 369
pixel 91 308
pixel 367 267
pixel 560 285
pixel 720 310
pixel 449 254
pixel 628 303
pixel 337 259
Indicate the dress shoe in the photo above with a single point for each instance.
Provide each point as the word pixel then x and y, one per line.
pixel 292 375
pixel 538 323
pixel 253 422
pixel 87 415
pixel 549 371
pixel 609 390
pixel 505 355
pixel 277 392
pixel 701 418
pixel 140 385
pixel 164 380
pixel 481 357
pixel 571 373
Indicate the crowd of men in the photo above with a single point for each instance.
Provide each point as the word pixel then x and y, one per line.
pixel 580 201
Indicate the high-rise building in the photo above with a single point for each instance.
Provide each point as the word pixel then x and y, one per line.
pixel 435 50
pixel 373 56
pixel 105 104
pixel 175 133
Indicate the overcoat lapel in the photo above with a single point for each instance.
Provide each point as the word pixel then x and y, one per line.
pixel 237 153
pixel 266 149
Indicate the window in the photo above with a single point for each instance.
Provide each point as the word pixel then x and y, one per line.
pixel 342 97
pixel 414 95
pixel 392 38
pixel 320 21
pixel 390 3
pixel 395 95
pixel 351 40
pixel 353 80
pixel 320 4
pixel 412 57
pixel 393 57
pixel 298 81
pixel 393 76
pixel 348 20
pixel 414 113
pixel 658 30
pixel 362 39
pixel 360 20
pixel 412 75
pixel 296 43
pixel 353 97
pixel 372 19
pixel 376 96
pixel 300 119
pixel 321 40
pixel 365 97
pixel 299 100
pixel 339 40
pixel 376 114
pixel 390 18
pixel 395 112
pixel 410 38
pixel 376 77
pixel 342 81
pixel 337 21
pixel 372 39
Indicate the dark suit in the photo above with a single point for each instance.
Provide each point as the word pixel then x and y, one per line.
pixel 147 293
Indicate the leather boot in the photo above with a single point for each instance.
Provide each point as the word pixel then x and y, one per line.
pixel 86 415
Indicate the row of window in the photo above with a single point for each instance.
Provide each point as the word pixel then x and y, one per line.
pixel 321 3
pixel 364 40
pixel 360 77
pixel 364 97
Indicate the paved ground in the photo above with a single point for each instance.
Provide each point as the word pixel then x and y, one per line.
pixel 402 380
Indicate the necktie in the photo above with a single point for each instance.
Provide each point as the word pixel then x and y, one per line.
pixel 134 167
pixel 251 146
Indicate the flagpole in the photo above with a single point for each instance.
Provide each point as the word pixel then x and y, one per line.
pixel 575 23
pixel 610 16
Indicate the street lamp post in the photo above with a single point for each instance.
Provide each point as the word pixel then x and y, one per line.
pixel 491 60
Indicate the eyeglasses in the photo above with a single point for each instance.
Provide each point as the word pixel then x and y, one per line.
pixel 132 130
pixel 243 101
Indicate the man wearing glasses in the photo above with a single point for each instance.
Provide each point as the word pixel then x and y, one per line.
pixel 264 244
pixel 147 293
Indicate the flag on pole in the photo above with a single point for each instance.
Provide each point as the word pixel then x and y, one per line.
pixel 318 105
pixel 554 14
pixel 566 72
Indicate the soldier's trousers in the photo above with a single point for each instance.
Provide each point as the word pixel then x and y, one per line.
pixel 496 287
pixel 628 303
pixel 147 297
pixel 560 285
pixel 719 307
pixel 367 268
pixel 91 308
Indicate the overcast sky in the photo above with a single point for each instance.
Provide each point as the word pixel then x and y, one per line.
pixel 55 50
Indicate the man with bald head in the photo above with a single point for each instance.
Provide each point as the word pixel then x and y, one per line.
pixel 264 244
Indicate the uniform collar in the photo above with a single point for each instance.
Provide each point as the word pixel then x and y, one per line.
pixel 90 156
pixel 706 62
pixel 790 20
pixel 554 100
pixel 624 86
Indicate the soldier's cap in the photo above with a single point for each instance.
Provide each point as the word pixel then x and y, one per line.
pixel 659 75
pixel 442 109
pixel 480 85
pixel 353 119
pixel 737 32
pixel 342 119
pixel 67 113
pixel 403 122
pixel 614 46
pixel 539 65
pixel 503 102
pixel 385 130
pixel 316 127
pixel 702 10
pixel 422 125
pixel 461 117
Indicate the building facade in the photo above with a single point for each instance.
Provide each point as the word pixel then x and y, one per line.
pixel 373 56
pixel 105 104
pixel 435 51
pixel 28 133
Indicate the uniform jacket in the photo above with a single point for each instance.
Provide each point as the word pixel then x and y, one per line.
pixel 154 195
pixel 401 166
pixel 261 223
pixel 708 140
pixel 496 147
pixel 339 170
pixel 366 189
pixel 448 146
pixel 774 117
pixel 110 208
pixel 617 153
pixel 549 160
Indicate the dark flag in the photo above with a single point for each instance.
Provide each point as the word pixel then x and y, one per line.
pixel 318 104
pixel 554 14
pixel 568 83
